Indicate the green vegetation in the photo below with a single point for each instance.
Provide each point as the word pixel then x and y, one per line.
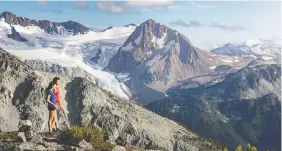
pixel 247 148
pixel 203 143
pixel 6 135
pixel 239 148
pixel 132 148
pixel 93 136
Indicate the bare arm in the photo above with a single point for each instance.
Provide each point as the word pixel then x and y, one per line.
pixel 48 99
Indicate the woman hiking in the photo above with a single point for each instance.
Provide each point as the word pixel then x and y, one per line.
pixel 56 81
pixel 51 99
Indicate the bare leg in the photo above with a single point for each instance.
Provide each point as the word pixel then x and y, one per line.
pixel 55 122
pixel 53 119
pixel 56 119
pixel 50 121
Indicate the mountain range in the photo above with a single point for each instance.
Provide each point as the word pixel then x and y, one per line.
pixel 230 94
pixel 251 47
pixel 245 107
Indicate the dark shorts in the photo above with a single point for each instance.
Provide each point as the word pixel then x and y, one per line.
pixel 51 107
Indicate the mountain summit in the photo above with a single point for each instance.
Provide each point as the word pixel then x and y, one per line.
pixel 158 57
pixel 48 26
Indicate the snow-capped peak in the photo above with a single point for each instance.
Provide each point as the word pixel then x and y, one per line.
pixel 251 42
pixel 251 47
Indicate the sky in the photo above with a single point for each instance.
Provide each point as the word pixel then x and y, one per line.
pixel 206 24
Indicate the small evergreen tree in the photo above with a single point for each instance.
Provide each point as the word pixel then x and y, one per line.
pixel 239 148
pixel 253 148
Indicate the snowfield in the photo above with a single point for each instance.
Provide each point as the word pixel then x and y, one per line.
pixel 71 51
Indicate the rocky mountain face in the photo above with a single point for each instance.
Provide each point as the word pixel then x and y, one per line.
pixel 244 108
pixel 50 67
pixel 156 57
pixel 16 36
pixel 23 97
pixel 48 26
pixel 251 47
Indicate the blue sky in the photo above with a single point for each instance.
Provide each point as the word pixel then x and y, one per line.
pixel 206 24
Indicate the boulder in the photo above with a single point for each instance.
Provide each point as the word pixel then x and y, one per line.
pixel 85 145
pixel 25 125
pixel 119 148
pixel 36 138
pixel 27 146
pixel 22 136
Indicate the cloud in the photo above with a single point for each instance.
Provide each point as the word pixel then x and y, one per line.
pixel 42 2
pixel 149 3
pixel 198 5
pixel 111 7
pixel 55 11
pixel 190 24
pixel 153 5
pixel 230 28
pixel 81 5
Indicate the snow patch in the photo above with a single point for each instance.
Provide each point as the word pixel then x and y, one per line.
pixel 226 60
pixel 266 58
pixel 161 54
pixel 212 67
pixel 159 42
pixel 175 109
pixel 155 59
pixel 123 76
pixel 138 40
pixel 252 42
pixel 128 47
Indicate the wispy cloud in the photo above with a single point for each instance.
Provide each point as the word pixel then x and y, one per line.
pixel 51 10
pixel 81 5
pixel 197 24
pixel 134 6
pixel 149 3
pixel 230 28
pixel 190 24
pixel 111 7
pixel 199 5
pixel 153 5
pixel 42 2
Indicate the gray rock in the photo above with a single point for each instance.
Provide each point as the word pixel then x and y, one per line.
pixel 119 148
pixel 30 146
pixel 36 138
pixel 85 145
pixel 30 133
pixel 40 147
pixel 25 125
pixel 22 136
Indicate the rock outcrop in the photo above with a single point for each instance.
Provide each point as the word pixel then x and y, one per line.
pixel 23 97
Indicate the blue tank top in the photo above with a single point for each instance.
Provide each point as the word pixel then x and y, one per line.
pixel 52 96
